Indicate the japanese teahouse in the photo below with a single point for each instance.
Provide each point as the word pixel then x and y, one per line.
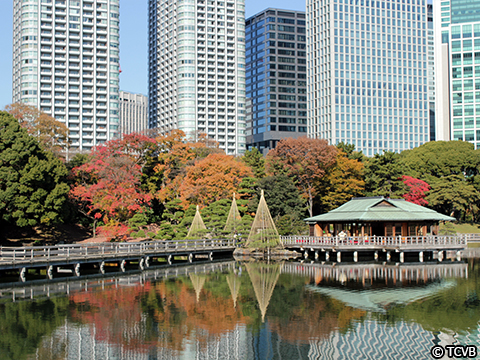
pixel 377 216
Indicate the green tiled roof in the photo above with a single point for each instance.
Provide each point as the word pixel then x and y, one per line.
pixel 372 209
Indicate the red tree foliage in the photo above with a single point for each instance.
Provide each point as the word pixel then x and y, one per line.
pixel 305 159
pixel 417 190
pixel 108 185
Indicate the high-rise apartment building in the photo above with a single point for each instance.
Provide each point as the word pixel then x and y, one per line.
pixel 276 76
pixel 66 63
pixel 457 65
pixel 431 72
pixel 367 73
pixel 197 69
pixel 133 113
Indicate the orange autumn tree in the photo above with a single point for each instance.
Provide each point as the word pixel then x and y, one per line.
pixel 305 160
pixel 216 177
pixel 342 182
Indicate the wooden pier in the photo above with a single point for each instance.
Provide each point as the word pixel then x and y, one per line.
pixel 425 247
pixel 70 258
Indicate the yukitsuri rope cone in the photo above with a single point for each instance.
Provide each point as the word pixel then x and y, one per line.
pixel 197 224
pixel 197 281
pixel 233 220
pixel 264 277
pixel 263 230
pixel 234 285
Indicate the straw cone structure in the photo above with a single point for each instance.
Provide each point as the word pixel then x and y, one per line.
pixel 233 219
pixel 264 277
pixel 197 282
pixel 197 224
pixel 234 285
pixel 263 228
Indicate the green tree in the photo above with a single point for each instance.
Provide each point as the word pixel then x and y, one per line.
pixel 383 175
pixel 256 161
pixel 33 188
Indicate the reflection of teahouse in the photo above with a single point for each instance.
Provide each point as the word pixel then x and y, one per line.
pixel 377 216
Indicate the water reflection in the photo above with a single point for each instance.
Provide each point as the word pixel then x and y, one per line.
pixel 247 311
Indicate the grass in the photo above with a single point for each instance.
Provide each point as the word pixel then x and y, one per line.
pixel 464 228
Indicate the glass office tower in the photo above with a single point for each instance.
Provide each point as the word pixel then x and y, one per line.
pixel 276 77
pixel 197 69
pixel 457 64
pixel 367 73
pixel 66 63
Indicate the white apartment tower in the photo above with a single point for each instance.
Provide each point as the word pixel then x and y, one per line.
pixel 367 73
pixel 66 63
pixel 197 69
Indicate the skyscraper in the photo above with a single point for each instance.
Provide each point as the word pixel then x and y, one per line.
pixel 457 65
pixel 197 69
pixel 367 73
pixel 276 77
pixel 66 63
pixel 133 113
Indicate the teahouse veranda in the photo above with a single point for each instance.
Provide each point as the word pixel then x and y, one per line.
pixel 377 216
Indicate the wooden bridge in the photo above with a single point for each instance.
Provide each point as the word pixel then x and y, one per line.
pixel 70 258
pixel 430 246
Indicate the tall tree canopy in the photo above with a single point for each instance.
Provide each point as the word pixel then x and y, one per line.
pixel 33 188
pixel 305 160
pixel 383 175
pixel 51 133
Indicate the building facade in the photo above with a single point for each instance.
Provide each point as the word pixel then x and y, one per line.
pixel 276 77
pixel 431 73
pixel 66 63
pixel 197 69
pixel 133 113
pixel 457 64
pixel 367 73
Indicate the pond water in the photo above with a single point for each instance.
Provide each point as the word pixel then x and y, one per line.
pixel 247 310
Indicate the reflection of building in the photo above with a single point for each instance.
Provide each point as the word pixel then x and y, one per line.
pixel 133 112
pixel 197 69
pixel 375 340
pixel 457 56
pixel 377 216
pixel 276 77
pixel 66 63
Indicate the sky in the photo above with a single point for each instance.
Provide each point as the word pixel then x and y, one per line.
pixel 133 42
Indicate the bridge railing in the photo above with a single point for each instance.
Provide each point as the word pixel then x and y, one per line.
pixel 32 253
pixel 363 241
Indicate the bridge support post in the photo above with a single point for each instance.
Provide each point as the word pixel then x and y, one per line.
pixel 50 272
pixel 102 267
pixel 169 259
pixel 23 274
pixel 190 258
pixel 141 263
pixel 305 254
pixel 375 255
pixel 77 269
pixel 389 256
pixel 459 255
pixel 147 261
pixel 420 256
pixel 122 265
pixel 355 256
pixel 316 255
pixel 210 256
pixel 327 255
pixel 402 257
pixel 440 256
pixel 339 256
